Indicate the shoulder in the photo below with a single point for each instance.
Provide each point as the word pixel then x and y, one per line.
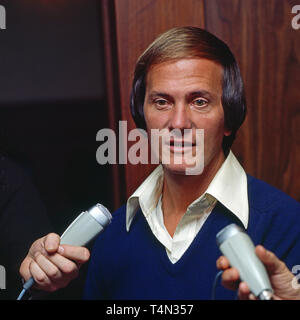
pixel 119 218
pixel 274 220
pixel 268 200
pixel 264 196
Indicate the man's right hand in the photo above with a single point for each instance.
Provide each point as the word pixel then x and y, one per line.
pixel 52 265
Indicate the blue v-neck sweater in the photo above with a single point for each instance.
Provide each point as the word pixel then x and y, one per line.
pixel 135 265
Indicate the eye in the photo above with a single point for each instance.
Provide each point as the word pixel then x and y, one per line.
pixel 161 103
pixel 200 103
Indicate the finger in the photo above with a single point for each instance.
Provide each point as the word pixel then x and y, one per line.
pixel 67 267
pixel 42 281
pixel 244 291
pixel 48 267
pixel 78 254
pixel 223 263
pixel 51 242
pixel 24 268
pixel 269 259
pixel 230 278
pixel 38 275
pixel 37 246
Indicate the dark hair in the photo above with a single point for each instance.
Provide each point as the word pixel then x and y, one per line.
pixel 191 42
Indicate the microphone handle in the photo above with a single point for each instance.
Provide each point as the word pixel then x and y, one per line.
pixel 237 246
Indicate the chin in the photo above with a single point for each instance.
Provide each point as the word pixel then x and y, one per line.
pixel 183 169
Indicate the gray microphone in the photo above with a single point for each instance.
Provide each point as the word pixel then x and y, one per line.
pixel 80 232
pixel 237 246
pixel 86 226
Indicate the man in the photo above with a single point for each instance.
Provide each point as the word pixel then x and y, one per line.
pixel 161 244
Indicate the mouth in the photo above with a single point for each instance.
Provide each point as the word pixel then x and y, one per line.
pixel 180 145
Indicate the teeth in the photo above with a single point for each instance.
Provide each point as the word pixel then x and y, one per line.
pixel 181 144
pixel 178 144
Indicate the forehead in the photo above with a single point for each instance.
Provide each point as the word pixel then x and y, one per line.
pixel 185 74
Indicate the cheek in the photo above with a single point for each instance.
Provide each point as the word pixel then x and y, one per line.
pixel 213 132
pixel 147 116
pixel 149 123
pixel 213 125
pixel 155 119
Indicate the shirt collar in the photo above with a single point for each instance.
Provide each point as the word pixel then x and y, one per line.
pixel 146 196
pixel 229 186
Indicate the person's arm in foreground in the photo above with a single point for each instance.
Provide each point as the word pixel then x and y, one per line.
pixel 52 265
pixel 281 278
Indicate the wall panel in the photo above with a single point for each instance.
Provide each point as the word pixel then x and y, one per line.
pixel 267 49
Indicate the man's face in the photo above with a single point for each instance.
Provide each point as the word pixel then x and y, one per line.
pixel 186 94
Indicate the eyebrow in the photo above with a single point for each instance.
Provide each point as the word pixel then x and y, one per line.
pixel 154 94
pixel 202 93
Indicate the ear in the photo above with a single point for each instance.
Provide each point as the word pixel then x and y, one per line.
pixel 227 132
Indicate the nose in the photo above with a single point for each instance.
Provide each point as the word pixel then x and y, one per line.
pixel 180 118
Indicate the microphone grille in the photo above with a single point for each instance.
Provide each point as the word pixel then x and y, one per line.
pixel 227 232
pixel 101 214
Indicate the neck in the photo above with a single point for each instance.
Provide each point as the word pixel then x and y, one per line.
pixel 181 190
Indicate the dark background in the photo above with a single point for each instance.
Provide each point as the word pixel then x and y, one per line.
pixel 52 101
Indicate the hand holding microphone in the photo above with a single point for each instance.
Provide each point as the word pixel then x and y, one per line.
pixel 53 261
pixel 237 246
pixel 279 278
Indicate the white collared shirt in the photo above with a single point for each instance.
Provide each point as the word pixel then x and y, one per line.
pixel 229 186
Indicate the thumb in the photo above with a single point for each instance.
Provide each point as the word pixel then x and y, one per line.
pixel 51 243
